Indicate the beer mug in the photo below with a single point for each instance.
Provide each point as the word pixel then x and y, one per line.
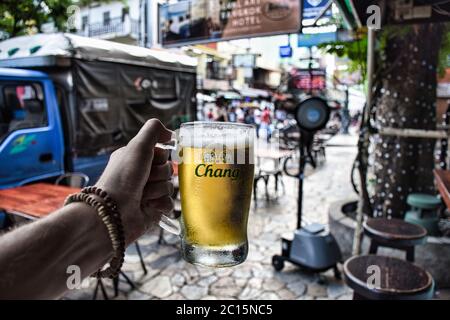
pixel 215 171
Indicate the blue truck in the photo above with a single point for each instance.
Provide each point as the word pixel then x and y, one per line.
pixel 67 102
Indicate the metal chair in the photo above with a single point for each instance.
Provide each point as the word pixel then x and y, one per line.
pixel 260 176
pixel 73 179
pixel 264 171
pixel 116 280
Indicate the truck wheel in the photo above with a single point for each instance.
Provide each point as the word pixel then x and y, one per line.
pixel 278 263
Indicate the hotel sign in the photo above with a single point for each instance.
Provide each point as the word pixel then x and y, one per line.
pixel 197 21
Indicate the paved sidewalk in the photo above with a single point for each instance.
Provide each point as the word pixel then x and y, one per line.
pixel 169 277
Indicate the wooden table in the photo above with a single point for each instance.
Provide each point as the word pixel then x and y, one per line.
pixel 443 183
pixel 34 201
pixel 37 201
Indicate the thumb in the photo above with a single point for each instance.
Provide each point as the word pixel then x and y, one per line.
pixel 142 145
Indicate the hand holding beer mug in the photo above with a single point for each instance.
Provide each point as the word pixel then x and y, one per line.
pixel 216 168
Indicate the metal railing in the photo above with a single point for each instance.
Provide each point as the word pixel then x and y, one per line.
pixel 116 27
pixel 217 73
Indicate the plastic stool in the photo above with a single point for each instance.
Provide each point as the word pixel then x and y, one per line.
pixel 424 211
pixel 423 201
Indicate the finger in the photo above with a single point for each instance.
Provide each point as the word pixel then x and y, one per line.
pixel 157 190
pixel 161 172
pixel 163 205
pixel 160 156
pixel 142 145
pixel 140 151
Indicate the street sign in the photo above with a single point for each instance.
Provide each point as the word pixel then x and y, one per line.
pixel 305 79
pixel 314 39
pixel 285 51
pixel 246 60
pixel 312 8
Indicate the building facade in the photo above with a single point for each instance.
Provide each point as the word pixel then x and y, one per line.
pixel 117 21
pixel 135 22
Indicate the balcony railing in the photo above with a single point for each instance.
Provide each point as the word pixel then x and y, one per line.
pixel 116 27
pixel 217 73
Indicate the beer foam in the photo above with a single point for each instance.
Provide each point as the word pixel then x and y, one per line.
pixel 216 142
pixel 217 136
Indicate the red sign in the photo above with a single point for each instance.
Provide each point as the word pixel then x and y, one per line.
pixel 304 79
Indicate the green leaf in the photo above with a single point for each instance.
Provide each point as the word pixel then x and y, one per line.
pixel 27 16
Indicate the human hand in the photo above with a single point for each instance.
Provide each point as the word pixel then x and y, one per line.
pixel 137 177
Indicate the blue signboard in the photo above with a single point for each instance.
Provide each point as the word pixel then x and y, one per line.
pixel 285 51
pixel 312 8
pixel 314 39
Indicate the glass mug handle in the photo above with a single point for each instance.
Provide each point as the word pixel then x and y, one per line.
pixel 171 225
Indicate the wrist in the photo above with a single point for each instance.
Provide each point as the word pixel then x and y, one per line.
pixel 108 211
pixel 133 225
pixel 93 243
pixel 93 225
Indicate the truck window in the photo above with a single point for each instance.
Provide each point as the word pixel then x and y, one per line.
pixel 21 107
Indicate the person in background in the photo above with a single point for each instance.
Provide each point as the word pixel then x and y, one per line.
pixel 257 117
pixel 209 26
pixel 240 114
pixel 221 115
pixel 210 115
pixel 221 110
pixel 175 25
pixel 335 122
pixel 185 31
pixel 356 118
pixel 232 115
pixel 266 120
pixel 280 115
pixel 249 117
pixel 169 33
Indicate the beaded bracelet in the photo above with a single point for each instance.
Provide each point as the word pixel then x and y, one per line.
pixel 108 212
pixel 111 204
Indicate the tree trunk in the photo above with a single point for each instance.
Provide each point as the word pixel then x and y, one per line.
pixel 407 99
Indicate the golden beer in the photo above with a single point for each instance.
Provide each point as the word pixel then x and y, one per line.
pixel 215 198
pixel 215 174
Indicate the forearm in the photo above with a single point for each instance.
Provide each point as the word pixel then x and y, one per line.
pixel 34 258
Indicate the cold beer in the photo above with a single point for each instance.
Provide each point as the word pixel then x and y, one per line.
pixel 216 167
pixel 215 199
pixel 216 180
